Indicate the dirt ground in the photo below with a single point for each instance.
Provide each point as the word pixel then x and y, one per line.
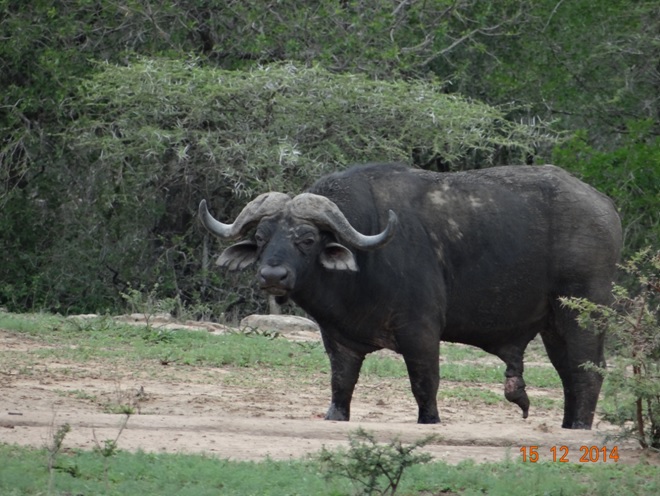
pixel 191 410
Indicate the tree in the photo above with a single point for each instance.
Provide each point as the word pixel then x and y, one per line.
pixel 577 65
pixel 149 139
pixel 589 65
pixel 630 174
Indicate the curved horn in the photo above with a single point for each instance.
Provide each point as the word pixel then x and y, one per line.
pixel 325 212
pixel 262 206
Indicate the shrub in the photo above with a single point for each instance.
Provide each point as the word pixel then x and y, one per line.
pixel 147 140
pixel 375 468
pixel 632 384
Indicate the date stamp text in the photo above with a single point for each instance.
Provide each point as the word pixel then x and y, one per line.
pixel 562 454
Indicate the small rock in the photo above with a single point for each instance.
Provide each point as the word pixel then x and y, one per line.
pixel 284 324
pixel 142 317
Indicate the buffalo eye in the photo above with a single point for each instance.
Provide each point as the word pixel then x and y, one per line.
pixel 260 238
pixel 306 243
pixel 305 238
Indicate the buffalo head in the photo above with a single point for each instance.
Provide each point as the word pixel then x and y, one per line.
pixel 292 236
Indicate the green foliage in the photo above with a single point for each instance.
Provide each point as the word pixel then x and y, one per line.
pixel 199 475
pixel 630 175
pixel 53 449
pixel 148 139
pixel 149 304
pixel 92 204
pixel 376 468
pixel 260 129
pixel 101 166
pixel 108 448
pixel 632 384
pixel 581 64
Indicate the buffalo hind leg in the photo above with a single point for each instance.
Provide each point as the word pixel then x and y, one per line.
pixel 345 369
pixel 569 347
pixel 424 376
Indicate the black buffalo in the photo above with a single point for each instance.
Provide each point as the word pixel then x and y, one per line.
pixel 386 256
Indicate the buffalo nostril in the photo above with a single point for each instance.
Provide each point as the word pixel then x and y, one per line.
pixel 273 275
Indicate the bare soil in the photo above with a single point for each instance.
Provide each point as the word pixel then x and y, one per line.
pixel 214 411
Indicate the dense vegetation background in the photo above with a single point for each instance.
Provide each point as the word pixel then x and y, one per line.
pixel 116 118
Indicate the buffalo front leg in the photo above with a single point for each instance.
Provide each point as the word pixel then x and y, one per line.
pixel 345 369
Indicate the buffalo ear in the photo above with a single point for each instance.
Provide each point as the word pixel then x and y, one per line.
pixel 337 257
pixel 238 256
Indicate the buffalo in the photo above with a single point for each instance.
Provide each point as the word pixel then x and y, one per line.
pixel 388 256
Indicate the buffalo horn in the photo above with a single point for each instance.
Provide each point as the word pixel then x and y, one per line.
pixel 324 212
pixel 262 206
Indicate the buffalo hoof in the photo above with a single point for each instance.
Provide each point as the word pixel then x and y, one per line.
pixel 576 425
pixel 514 391
pixel 430 419
pixel 337 414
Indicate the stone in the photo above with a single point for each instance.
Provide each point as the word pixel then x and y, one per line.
pixel 289 326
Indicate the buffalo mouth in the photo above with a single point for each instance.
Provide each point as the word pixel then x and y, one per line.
pixel 278 291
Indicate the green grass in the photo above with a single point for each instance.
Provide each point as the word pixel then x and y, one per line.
pixel 475 395
pixel 154 351
pixel 383 366
pixel 32 324
pixel 454 352
pixel 515 478
pixel 472 394
pixel 468 364
pixel 536 376
pixel 107 342
pixel 102 339
pixel 153 474
pixel 148 474
pixel 79 340
pixel 78 394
